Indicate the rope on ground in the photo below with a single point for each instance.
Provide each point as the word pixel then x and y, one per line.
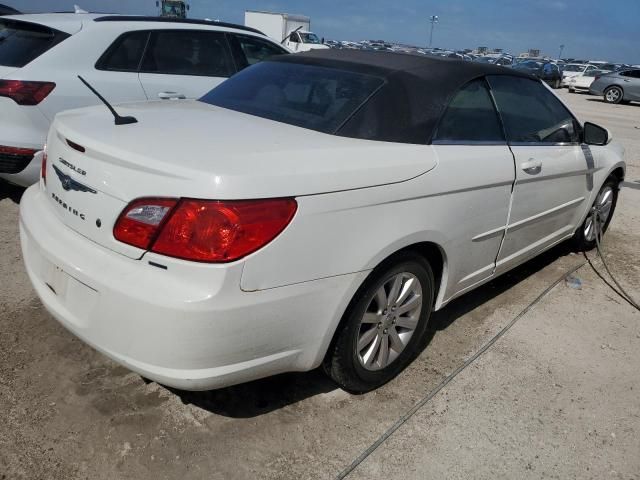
pixel 620 291
pixel 412 411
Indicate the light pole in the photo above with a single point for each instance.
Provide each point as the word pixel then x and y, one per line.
pixel 561 49
pixel 433 19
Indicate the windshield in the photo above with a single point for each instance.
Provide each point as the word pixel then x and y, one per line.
pixel 22 42
pixel 485 59
pixel 312 97
pixel 309 38
pixel 574 68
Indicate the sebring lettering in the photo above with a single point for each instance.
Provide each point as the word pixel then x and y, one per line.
pixel 68 208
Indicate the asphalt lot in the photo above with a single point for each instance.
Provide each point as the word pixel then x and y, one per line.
pixel 556 396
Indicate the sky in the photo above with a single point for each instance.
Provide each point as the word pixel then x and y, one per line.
pixel 589 29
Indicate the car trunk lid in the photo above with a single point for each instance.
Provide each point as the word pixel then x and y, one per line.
pixel 192 149
pixel 5 71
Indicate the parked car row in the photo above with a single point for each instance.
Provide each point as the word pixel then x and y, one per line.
pixel 619 86
pixel 126 58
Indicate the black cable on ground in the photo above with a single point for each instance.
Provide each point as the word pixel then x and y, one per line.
pixel 621 291
pixel 403 419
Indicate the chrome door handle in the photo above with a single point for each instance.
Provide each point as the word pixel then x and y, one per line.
pixel 171 96
pixel 532 166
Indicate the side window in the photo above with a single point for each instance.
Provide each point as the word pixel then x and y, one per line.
pixel 188 52
pixel 470 117
pixel 631 73
pixel 125 53
pixel 255 50
pixel 530 112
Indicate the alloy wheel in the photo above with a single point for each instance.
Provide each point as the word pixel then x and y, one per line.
pixel 389 321
pixel 613 95
pixel 602 209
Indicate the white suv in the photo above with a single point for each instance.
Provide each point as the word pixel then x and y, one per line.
pixel 126 58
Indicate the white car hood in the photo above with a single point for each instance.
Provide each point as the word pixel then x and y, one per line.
pixel 189 148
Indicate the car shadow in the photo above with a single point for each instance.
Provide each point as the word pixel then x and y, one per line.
pixel 600 100
pixel 269 394
pixel 12 192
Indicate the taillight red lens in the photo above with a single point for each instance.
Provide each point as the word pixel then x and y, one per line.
pixel 26 93
pixel 138 223
pixel 43 166
pixel 26 152
pixel 209 230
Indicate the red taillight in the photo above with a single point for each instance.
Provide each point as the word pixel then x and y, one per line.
pixel 18 152
pixel 43 166
pixel 26 93
pixel 206 230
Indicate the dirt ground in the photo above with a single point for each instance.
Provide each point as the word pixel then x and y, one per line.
pixel 556 397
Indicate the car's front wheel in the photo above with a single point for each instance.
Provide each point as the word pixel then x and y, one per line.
pixel 384 326
pixel 613 95
pixel 599 216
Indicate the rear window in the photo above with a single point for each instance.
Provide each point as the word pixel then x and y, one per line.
pixel 22 42
pixel 317 98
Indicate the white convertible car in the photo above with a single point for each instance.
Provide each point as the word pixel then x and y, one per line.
pixel 314 209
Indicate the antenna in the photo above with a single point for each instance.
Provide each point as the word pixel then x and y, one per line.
pixel 118 119
pixel 77 9
pixel 291 33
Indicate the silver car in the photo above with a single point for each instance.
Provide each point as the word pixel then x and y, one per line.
pixel 618 87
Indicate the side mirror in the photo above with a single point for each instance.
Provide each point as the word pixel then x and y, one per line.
pixel 594 134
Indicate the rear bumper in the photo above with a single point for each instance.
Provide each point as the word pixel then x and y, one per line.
pixel 23 127
pixel 596 90
pixel 28 176
pixel 190 326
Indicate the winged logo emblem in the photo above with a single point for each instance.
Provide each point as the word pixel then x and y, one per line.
pixel 69 183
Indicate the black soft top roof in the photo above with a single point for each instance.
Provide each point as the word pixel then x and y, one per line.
pixel 416 92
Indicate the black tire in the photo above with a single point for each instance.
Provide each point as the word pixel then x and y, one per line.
pixel 341 361
pixel 580 242
pixel 613 95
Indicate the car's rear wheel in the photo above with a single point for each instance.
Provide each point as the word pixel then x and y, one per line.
pixel 599 216
pixel 613 95
pixel 384 326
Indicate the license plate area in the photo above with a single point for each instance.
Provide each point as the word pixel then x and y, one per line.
pixel 74 296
